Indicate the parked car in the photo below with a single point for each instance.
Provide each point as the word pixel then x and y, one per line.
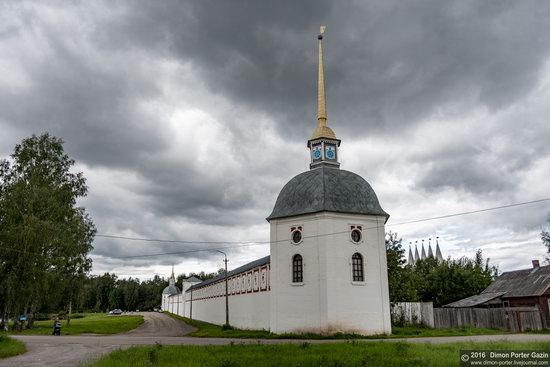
pixel 116 311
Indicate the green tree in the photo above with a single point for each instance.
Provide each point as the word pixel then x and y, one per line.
pixel 150 293
pixel 116 299
pixel 105 284
pixel 401 277
pixel 130 289
pixel 44 236
pixel 447 281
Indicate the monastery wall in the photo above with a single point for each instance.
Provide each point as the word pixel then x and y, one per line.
pixel 249 300
pixel 174 304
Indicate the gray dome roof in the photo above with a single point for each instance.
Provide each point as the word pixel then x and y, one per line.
pixel 326 189
pixel 171 289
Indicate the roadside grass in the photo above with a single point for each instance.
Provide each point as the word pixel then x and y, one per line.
pixel 10 347
pixel 423 331
pixel 207 330
pixel 351 353
pixel 89 324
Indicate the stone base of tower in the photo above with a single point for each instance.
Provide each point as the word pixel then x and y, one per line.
pixel 329 300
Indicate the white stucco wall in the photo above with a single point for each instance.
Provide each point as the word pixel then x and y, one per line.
pixel 163 303
pixel 175 304
pixel 328 300
pixel 249 300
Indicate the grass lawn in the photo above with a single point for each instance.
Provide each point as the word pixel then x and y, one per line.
pixel 207 330
pixel 89 324
pixel 10 347
pixel 353 353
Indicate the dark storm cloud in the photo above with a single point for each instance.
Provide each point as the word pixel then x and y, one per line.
pixel 491 159
pixel 108 77
pixel 93 106
pixel 465 174
pixel 403 61
pixel 252 52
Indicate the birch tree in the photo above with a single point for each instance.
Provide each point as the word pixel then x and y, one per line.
pixel 45 237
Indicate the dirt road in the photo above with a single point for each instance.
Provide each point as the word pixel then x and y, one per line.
pixel 158 324
pixel 71 351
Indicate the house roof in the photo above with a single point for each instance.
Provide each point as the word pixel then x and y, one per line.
pixel 522 283
pixel 241 269
pixel 478 299
pixel 193 279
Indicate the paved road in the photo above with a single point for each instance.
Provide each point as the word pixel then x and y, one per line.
pixel 70 351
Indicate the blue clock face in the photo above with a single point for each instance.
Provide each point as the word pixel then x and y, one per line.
pixel 316 154
pixel 330 152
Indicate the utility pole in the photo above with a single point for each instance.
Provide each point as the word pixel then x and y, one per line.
pixel 226 289
pixel 191 308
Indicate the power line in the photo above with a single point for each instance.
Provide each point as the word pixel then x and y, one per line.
pixel 471 212
pixel 170 241
pixel 239 244
pixel 181 252
pixel 254 243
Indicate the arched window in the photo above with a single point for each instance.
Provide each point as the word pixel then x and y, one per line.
pixel 297 269
pixel 357 267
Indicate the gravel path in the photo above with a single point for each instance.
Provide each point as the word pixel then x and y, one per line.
pixel 71 351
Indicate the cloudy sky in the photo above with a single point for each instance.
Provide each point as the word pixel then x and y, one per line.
pixel 188 117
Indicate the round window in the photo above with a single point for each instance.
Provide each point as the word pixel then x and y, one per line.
pixel 356 235
pixel 296 237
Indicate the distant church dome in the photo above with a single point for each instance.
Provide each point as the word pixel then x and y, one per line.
pixel 326 189
pixel 170 290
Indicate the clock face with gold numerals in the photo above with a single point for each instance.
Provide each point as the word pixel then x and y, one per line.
pixel 330 152
pixel 316 152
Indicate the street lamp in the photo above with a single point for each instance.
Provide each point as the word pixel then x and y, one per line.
pixel 226 289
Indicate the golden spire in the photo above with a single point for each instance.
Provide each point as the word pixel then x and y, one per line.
pixel 321 97
pixel 322 131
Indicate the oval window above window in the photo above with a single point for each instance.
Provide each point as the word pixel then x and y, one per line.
pixel 296 237
pixel 356 235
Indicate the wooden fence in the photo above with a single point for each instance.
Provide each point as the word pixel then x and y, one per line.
pixel 420 313
pixel 515 319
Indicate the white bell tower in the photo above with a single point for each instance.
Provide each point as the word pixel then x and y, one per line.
pixel 328 256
